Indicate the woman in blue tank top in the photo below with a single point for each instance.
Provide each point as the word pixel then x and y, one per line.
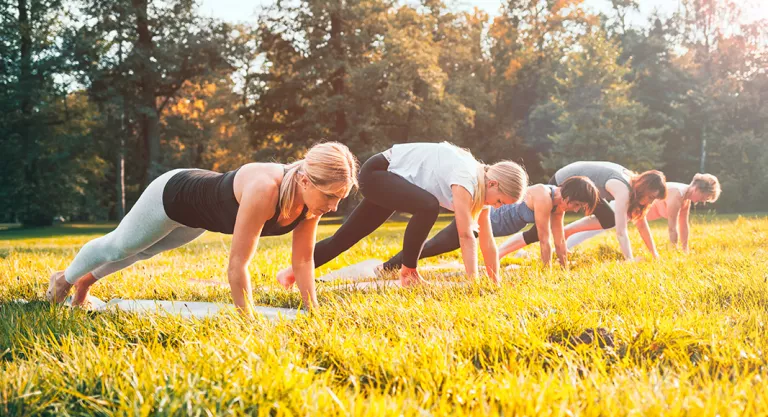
pixel 632 192
pixel 258 199
pixel 545 205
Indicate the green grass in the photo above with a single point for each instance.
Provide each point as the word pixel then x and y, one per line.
pixel 682 336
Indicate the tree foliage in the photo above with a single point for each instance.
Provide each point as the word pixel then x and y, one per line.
pixel 99 96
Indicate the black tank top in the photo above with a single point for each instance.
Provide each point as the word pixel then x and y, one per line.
pixel 206 200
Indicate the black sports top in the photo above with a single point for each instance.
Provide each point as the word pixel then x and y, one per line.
pixel 206 200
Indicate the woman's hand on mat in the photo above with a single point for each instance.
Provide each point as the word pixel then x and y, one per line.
pixel 286 278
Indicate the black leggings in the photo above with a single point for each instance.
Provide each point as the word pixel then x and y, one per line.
pixel 446 240
pixel 603 212
pixel 383 194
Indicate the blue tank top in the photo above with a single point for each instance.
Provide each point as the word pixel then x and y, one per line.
pixel 512 218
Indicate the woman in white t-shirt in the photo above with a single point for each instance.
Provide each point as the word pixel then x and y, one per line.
pixel 419 178
pixel 676 207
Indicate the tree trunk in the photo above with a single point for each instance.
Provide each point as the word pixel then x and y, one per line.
pixel 337 79
pixel 149 119
pixel 120 165
pixel 703 150
pixel 32 210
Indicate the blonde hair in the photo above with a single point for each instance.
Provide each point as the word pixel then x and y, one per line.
pixel 512 179
pixel 330 167
pixel 708 185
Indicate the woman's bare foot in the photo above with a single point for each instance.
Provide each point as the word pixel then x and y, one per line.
pixel 286 278
pixel 410 277
pixel 58 288
pixel 82 289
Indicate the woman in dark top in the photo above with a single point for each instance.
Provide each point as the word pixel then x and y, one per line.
pixel 258 199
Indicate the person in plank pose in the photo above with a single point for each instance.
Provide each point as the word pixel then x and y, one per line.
pixel 419 178
pixel 676 208
pixel 544 204
pixel 632 192
pixel 257 199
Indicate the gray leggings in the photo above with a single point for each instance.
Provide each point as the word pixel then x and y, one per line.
pixel 144 232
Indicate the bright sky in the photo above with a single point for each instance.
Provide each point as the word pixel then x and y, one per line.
pixel 246 10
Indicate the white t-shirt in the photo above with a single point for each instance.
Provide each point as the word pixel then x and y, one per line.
pixel 435 167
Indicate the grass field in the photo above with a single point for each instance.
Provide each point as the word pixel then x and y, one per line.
pixel 682 336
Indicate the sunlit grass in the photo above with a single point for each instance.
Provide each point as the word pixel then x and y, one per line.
pixel 685 335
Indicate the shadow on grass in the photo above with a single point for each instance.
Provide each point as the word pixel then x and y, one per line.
pixel 73 229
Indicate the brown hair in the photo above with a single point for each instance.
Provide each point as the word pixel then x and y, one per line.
pixel 707 185
pixel 647 183
pixel 330 167
pixel 582 190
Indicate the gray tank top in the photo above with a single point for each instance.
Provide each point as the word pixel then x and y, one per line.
pixel 598 171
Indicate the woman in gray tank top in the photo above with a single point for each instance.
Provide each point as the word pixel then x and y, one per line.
pixel 675 208
pixel 633 194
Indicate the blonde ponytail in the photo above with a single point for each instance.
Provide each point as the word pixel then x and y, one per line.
pixel 330 167
pixel 288 188
pixel 478 200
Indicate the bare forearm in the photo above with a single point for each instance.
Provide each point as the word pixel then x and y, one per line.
pixel 546 252
pixel 684 231
pixel 645 232
pixel 561 250
pixel 305 280
pixel 240 287
pixel 491 258
pixel 673 237
pixel 624 244
pixel 469 254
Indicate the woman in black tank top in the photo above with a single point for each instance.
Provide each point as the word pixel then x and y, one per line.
pixel 252 201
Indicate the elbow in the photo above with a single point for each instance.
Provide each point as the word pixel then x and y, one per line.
pixel 466 236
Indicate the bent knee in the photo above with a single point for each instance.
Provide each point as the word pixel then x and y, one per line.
pixel 431 208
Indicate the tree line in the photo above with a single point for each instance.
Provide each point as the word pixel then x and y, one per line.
pixel 98 97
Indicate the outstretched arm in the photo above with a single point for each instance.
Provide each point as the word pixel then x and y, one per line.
pixel 542 211
pixel 674 201
pixel 621 194
pixel 488 245
pixel 645 233
pixel 257 205
pixel 558 235
pixel 302 259
pixel 683 221
pixel 462 204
